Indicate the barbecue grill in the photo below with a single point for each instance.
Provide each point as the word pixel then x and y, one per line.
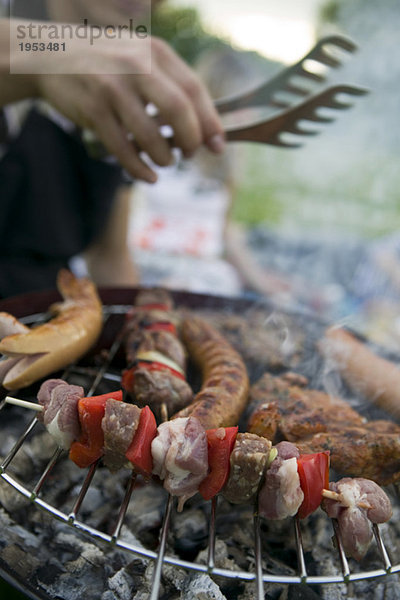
pixel 99 372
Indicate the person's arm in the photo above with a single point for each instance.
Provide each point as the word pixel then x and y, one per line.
pixel 109 260
pixel 114 105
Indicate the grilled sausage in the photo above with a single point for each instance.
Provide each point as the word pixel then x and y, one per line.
pixel 223 394
pixel 65 338
pixel 376 378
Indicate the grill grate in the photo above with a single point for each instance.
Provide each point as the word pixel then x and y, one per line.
pixel 103 372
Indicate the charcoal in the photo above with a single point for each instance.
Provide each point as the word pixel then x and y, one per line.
pixel 190 533
pixel 302 592
pixel 201 587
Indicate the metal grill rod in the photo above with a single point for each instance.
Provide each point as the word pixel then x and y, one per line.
pixel 83 491
pixel 4 465
pixel 123 508
pixel 382 549
pixel 211 535
pixel 156 581
pixel 46 472
pixel 299 549
pixel 257 553
pixel 342 556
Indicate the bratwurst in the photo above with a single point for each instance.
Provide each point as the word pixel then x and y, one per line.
pixel 225 383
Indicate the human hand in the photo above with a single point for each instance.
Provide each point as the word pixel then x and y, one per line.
pixel 113 106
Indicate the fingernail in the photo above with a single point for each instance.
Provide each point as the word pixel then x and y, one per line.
pixel 150 177
pixel 216 143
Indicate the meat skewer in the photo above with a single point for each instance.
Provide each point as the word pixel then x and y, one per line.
pixel 283 482
pixel 155 355
pixel 357 504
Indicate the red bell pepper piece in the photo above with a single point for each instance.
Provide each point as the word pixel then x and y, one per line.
pixel 139 451
pixel 220 444
pixel 128 376
pixel 161 326
pixel 313 470
pixel 91 412
pixel 154 306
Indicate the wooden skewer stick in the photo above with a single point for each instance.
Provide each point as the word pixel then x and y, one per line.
pixel 24 404
pixel 164 412
pixel 331 495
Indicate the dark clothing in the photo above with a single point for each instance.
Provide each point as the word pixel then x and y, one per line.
pixel 54 200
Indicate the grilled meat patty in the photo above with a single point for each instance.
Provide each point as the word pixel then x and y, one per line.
pixel 315 422
pixel 282 409
pixel 359 452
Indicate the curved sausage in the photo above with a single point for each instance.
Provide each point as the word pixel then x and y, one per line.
pixel 44 349
pixel 225 383
pixel 376 378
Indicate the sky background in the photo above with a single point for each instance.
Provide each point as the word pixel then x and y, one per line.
pixel 280 29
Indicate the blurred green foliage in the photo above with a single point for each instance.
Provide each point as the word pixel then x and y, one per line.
pixel 183 29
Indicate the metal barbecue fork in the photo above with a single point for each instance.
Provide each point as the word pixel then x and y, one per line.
pixel 287 117
pixel 289 81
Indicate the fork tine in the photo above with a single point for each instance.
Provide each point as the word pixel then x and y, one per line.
pixel 295 89
pixel 318 77
pixel 268 131
pixel 276 141
pixel 263 95
pixel 300 131
pixel 320 54
pixel 328 97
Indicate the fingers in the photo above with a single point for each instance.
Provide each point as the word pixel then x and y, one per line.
pixel 196 95
pixel 176 110
pixel 145 129
pixel 114 137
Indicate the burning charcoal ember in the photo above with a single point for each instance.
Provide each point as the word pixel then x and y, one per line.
pixel 199 586
pixel 24 564
pixel 190 533
pixel 121 584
